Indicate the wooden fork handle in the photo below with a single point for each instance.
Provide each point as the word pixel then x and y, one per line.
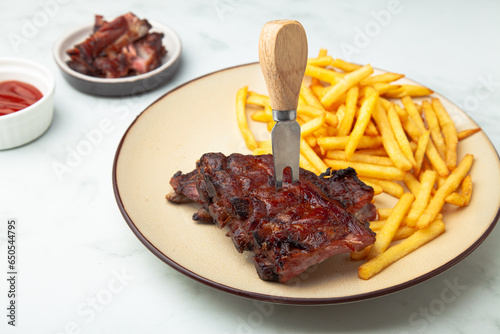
pixel 283 60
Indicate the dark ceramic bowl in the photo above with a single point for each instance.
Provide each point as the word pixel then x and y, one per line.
pixel 120 86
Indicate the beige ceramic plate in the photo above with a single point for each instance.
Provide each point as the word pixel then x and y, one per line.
pixel 199 117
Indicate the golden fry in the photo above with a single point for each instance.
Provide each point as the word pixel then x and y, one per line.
pixel 311 126
pixel 381 78
pixel 370 268
pixel 389 187
pixel 261 116
pixel 409 90
pixel 377 224
pixel 467 133
pixel 306 164
pixel 389 140
pixel 464 198
pixel 368 170
pixel 310 98
pixel 241 118
pixel 360 255
pixel 349 80
pixel 412 183
pixel 433 123
pixel 449 186
pixel 423 142
pixel 258 99
pixel 359 157
pixel 384 237
pixel 350 111
pixel 422 199
pixel 339 143
pixel 310 155
pixel 365 114
pixel 320 61
pixel 412 111
pixel 344 65
pixel 323 74
pixel 377 190
pixel 400 135
pixel 403 232
pixel 331 119
pixel 384 213
pixel 449 132
pixel 309 110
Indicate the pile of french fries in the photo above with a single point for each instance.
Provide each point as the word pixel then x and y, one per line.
pixel 406 148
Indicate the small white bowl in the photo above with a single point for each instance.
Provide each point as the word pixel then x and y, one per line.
pixel 25 125
pixel 131 85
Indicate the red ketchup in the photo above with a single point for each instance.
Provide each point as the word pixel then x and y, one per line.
pixel 17 95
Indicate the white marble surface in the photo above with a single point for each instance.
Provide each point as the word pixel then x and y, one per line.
pixel 81 269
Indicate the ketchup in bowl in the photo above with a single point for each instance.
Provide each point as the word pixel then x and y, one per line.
pixel 17 95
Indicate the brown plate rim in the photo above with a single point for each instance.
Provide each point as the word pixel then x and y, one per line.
pixel 271 298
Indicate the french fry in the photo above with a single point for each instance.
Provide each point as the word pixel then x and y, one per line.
pixel 456 199
pixel 412 111
pixel 262 150
pixel 412 183
pixel 409 90
pixel 331 119
pixel 467 188
pixel 423 142
pixel 309 110
pixel 350 111
pixel 384 213
pixel 311 126
pixel 306 164
pixel 381 152
pixel 377 224
pixel 464 198
pixel 372 267
pixel 449 132
pixel 433 123
pixel 360 255
pixel 384 237
pixel 467 133
pixel 323 74
pixel 339 143
pixel 365 114
pixel 261 116
pixel 319 91
pixel 368 170
pixel 349 80
pixel 380 87
pixel 344 65
pixel 310 98
pixel 320 61
pixel 310 155
pixel 412 129
pixel 389 187
pixel 359 157
pixel 377 190
pixel 241 118
pixel 400 135
pixel 389 140
pixel 449 186
pixel 258 99
pixel 403 232
pixel 384 78
pixel 422 199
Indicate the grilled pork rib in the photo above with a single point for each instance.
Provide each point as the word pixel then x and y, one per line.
pixel 288 230
pixel 118 48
